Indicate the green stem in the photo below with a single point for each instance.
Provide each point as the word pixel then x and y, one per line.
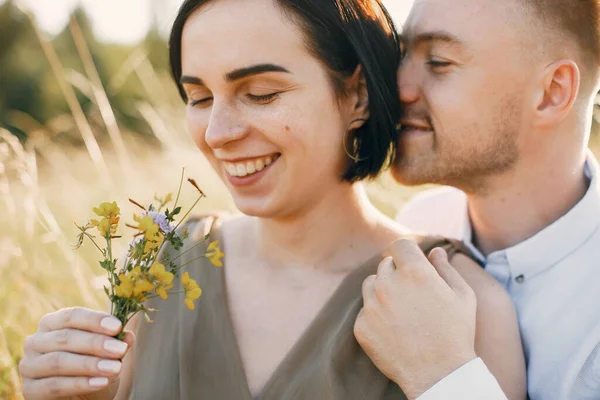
pixel 189 262
pixel 94 242
pixel 112 271
pixel 191 248
pixel 180 186
pixel 169 293
pixel 190 210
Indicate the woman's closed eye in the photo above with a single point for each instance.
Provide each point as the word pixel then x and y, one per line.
pixel 203 101
pixel 256 98
pixel 263 98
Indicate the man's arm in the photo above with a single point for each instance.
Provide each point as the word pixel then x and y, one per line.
pixel 472 381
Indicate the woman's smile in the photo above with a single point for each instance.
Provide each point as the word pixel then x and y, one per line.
pixel 245 172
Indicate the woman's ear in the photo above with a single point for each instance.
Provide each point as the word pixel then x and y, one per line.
pixel 358 95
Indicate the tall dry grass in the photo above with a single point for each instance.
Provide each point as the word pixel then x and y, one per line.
pixel 47 185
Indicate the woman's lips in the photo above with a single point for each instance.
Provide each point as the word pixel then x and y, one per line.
pixel 248 172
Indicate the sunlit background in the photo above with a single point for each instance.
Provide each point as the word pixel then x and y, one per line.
pixel 127 21
pixel 89 113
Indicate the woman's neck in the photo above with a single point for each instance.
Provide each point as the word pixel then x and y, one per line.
pixel 335 233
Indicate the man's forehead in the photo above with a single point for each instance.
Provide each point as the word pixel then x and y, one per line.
pixel 460 18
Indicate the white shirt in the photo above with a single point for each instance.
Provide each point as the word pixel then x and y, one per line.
pixel 553 279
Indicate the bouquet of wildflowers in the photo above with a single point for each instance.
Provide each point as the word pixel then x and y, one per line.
pixel 141 276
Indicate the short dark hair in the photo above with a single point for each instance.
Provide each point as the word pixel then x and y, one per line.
pixel 578 20
pixel 342 34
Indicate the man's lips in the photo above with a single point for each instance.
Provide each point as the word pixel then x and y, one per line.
pixel 414 125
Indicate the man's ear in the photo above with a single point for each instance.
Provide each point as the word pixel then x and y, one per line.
pixel 358 95
pixel 558 92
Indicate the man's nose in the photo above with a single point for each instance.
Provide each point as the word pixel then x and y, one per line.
pixel 408 85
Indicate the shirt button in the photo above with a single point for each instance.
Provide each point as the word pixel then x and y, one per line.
pixel 520 279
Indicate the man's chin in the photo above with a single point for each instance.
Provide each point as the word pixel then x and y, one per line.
pixel 413 174
pixel 409 177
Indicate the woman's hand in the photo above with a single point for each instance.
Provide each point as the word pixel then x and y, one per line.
pixel 73 353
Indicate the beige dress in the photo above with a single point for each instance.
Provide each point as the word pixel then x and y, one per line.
pixel 187 354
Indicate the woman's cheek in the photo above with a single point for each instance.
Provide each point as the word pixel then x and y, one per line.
pixel 197 124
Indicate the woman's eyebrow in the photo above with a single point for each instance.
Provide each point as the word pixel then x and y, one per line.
pixel 238 74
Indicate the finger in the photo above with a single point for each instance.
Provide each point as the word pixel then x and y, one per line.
pixel 78 342
pixel 68 364
pixel 408 256
pixel 57 387
pixel 386 267
pixel 439 259
pixel 368 288
pixel 129 339
pixel 83 319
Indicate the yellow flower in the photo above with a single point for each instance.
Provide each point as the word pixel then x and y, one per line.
pixel 154 243
pixel 114 220
pixel 185 279
pixel 107 209
pixel 194 294
pixel 147 226
pixel 142 286
pixel 158 271
pixel 125 288
pixel 136 272
pixel 187 282
pixel 106 224
pixel 192 290
pixel 162 292
pixel 103 226
pixel 189 304
pixel 214 254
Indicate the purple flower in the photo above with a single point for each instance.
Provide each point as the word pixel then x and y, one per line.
pixel 160 219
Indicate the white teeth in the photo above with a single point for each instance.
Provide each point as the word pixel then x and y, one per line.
pixel 241 170
pixel 247 168
pixel 231 169
pixel 259 164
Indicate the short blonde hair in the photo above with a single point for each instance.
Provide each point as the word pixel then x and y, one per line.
pixel 576 20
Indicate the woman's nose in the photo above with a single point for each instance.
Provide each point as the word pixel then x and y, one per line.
pixel 225 125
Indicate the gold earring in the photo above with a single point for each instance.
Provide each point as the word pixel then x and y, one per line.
pixel 353 157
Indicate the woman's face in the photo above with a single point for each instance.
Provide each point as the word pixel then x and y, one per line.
pixel 261 107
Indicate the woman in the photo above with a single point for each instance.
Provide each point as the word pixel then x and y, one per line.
pixel 292 102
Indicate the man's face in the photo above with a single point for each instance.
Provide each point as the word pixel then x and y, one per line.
pixel 464 82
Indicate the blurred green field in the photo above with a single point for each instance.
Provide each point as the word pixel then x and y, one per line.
pixel 82 123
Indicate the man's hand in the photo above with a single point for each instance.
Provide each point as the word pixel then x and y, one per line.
pixel 418 320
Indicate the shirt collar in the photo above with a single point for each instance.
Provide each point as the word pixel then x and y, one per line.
pixel 556 241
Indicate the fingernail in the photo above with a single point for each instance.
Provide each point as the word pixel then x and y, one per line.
pixel 109 366
pixel 111 324
pixel 115 346
pixel 98 382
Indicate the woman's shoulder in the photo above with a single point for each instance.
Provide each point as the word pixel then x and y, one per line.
pixel 488 291
pixel 392 231
pixel 200 225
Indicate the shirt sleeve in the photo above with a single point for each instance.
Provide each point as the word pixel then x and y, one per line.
pixel 472 381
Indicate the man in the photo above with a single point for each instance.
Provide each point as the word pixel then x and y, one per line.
pixel 498 102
